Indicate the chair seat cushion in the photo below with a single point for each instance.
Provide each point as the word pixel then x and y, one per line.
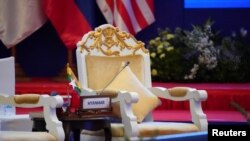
pixel 149 129
pixel 26 136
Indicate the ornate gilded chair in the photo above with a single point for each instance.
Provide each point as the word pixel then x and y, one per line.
pixel 100 56
pixel 49 104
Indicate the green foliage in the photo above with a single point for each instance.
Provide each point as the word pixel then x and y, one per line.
pixel 199 55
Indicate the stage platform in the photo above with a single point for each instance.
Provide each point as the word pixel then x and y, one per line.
pixel 213 116
pixel 217 107
pixel 220 95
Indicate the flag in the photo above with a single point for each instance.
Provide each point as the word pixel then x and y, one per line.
pixel 19 19
pixel 73 80
pixel 67 19
pixel 128 15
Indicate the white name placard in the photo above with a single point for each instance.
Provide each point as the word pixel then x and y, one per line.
pixel 96 103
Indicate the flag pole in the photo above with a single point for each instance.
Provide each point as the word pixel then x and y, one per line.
pixel 70 56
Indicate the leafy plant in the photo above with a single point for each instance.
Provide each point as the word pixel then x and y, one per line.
pixel 199 55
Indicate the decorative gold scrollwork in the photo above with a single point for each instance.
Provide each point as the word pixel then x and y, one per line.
pixel 105 39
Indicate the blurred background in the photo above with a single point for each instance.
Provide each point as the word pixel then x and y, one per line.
pixel 44 54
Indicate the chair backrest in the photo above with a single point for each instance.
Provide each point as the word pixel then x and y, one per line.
pixel 101 46
pixel 7 75
pixel 7 82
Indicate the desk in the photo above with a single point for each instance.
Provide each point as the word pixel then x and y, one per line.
pixel 93 124
pixel 75 125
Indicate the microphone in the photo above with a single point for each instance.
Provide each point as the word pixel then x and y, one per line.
pixel 124 66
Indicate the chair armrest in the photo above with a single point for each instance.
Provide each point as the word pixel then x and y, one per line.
pixel 129 120
pixel 53 125
pixel 191 93
pixel 194 96
pixel 88 91
pixel 49 104
pixel 31 100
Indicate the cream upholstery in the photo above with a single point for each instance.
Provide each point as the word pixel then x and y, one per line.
pixel 49 104
pixel 99 54
pixel 148 129
pixel 26 136
pixel 97 66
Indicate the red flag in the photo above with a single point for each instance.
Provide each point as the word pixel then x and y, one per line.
pixel 129 15
pixel 67 19
pixel 75 101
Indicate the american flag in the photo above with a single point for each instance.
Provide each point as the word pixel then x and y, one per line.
pixel 128 15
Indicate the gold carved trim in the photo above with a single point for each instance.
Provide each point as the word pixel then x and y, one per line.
pixel 110 37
